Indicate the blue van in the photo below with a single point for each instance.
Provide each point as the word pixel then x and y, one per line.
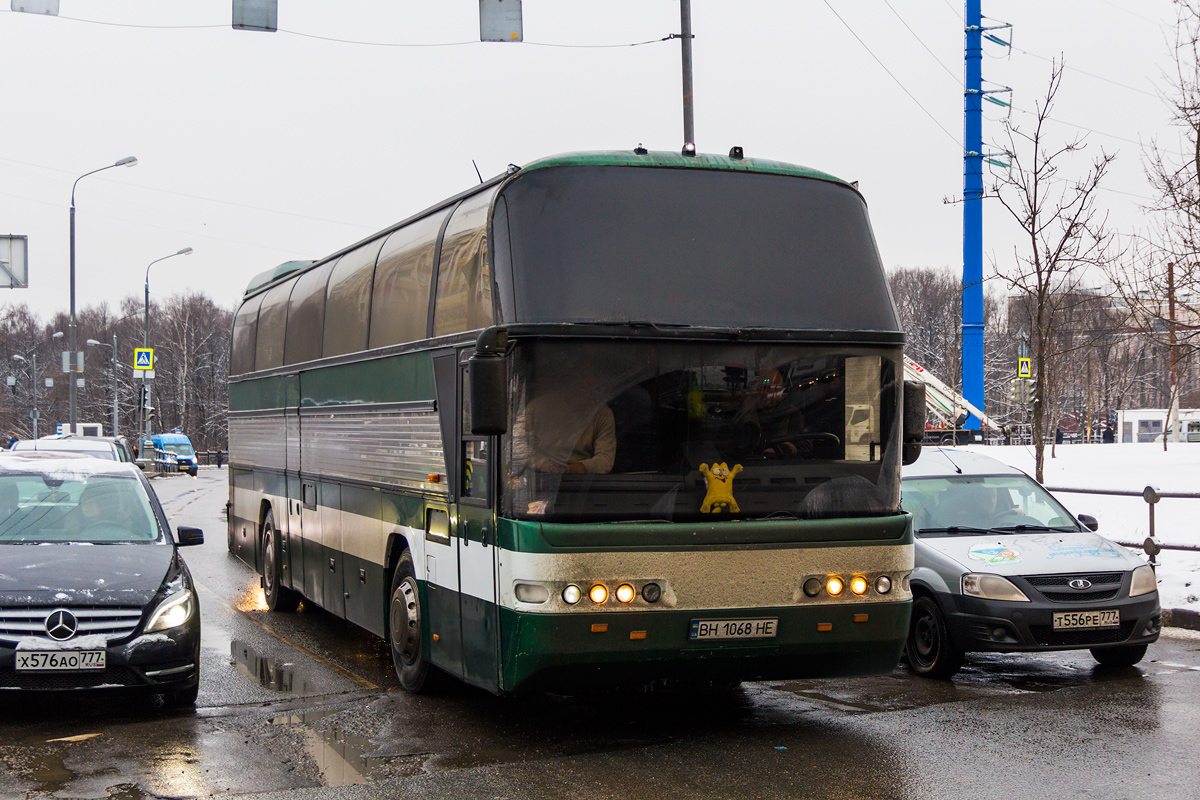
pixel 181 446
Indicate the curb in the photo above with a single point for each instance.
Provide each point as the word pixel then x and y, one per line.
pixel 1181 618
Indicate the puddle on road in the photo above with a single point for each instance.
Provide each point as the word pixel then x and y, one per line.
pixel 338 756
pixel 282 676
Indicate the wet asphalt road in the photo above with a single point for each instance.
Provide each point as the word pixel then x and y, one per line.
pixel 304 705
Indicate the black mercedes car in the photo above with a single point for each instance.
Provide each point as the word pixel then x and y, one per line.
pixel 93 590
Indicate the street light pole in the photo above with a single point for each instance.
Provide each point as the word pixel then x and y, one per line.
pixel 113 347
pixel 146 333
pixel 128 161
pixel 33 417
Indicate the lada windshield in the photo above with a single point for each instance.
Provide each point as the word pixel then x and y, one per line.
pixel 972 503
pixel 80 508
pixel 706 431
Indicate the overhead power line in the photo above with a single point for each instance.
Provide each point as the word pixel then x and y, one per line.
pixel 903 88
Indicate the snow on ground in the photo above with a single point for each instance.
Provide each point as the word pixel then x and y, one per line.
pixel 1130 467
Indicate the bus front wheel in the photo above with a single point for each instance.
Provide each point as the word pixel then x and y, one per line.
pixel 405 634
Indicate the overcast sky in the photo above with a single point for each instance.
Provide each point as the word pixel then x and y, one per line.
pixel 259 148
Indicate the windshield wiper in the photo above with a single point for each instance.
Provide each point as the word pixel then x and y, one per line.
pixel 1020 528
pixel 953 529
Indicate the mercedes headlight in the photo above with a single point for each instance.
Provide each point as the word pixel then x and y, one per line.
pixel 172 612
pixel 1144 581
pixel 991 587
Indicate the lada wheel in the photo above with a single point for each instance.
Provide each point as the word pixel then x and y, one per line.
pixel 405 633
pixel 930 650
pixel 279 597
pixel 1122 656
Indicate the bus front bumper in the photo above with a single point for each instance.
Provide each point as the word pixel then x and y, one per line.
pixel 582 651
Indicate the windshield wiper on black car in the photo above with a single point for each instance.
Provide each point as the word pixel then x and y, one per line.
pixel 953 529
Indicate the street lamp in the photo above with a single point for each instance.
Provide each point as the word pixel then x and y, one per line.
pixel 128 161
pixel 34 414
pixel 187 251
pixel 113 347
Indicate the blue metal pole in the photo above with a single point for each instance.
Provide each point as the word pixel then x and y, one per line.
pixel 972 299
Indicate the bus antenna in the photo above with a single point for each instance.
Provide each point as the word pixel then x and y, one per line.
pixel 476 166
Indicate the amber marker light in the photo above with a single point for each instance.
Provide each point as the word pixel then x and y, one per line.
pixel 598 593
pixel 858 584
pixel 834 585
pixel 626 593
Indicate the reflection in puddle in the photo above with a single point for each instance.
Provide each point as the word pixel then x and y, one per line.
pixel 280 676
pixel 338 756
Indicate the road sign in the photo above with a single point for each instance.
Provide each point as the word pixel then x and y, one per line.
pixel 143 358
pixel 34 414
pixel 1023 368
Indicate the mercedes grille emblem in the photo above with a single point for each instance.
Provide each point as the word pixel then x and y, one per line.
pixel 1080 583
pixel 61 625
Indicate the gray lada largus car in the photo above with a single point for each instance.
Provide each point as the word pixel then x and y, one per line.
pixel 1001 566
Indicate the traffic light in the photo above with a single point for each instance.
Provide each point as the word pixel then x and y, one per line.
pixel 1030 391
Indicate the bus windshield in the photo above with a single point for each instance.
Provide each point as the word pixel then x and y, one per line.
pixel 179 449
pixel 628 431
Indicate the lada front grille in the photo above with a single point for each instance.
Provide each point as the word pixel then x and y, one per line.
pixel 1058 589
pixel 24 623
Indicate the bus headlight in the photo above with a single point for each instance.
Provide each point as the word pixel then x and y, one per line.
pixel 598 593
pixel 626 593
pixel 858 585
pixel 812 587
pixel 571 595
pixel 651 592
pixel 883 584
pixel 834 585
pixel 532 593
pixel 1143 581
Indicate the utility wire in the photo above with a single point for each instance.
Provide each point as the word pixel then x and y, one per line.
pixel 953 77
pixel 352 41
pixel 893 77
pixel 1085 72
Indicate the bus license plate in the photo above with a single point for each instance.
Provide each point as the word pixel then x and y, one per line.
pixel 1067 620
pixel 59 660
pixel 733 629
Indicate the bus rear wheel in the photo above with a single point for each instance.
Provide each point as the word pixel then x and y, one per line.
pixel 405 633
pixel 279 597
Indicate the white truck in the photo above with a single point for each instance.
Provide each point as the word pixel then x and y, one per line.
pixel 948 410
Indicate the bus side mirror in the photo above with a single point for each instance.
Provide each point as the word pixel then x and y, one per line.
pixel 488 371
pixel 914 421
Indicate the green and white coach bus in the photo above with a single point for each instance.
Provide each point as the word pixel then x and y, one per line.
pixel 609 418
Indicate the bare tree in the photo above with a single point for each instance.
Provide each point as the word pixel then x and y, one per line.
pixel 1065 235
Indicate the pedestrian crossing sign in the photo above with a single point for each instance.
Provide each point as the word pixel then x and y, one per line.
pixel 1023 370
pixel 143 358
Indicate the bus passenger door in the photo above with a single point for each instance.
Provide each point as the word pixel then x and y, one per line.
pixel 441 591
pixel 477 553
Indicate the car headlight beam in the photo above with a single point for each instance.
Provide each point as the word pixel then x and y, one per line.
pixel 172 612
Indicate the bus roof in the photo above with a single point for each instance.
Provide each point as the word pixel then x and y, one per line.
pixel 595 158
pixel 664 158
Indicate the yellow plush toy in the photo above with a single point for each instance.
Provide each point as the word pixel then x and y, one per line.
pixel 719 481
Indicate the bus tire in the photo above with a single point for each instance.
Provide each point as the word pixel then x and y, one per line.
pixel 279 597
pixel 405 633
pixel 931 652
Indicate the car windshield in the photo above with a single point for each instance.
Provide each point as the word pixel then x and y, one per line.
pixel 180 449
pixel 980 504
pixel 604 431
pixel 77 507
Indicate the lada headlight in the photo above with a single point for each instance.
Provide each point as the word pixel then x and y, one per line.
pixel 991 587
pixel 1144 581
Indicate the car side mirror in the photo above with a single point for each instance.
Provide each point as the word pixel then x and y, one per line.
pixel 1089 522
pixel 488 372
pixel 914 421
pixel 186 536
